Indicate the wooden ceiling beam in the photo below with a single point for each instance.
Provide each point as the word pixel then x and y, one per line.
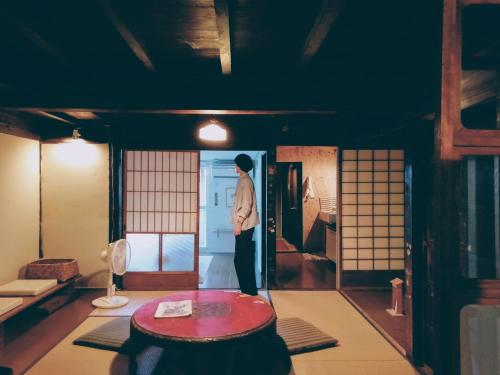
pixel 52 116
pixel 130 39
pixel 222 15
pixel 320 29
pixel 40 42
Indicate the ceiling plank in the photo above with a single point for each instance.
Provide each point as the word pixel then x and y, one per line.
pixel 320 29
pixel 130 39
pixel 222 13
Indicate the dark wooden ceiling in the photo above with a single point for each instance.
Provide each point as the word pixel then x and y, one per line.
pixel 315 56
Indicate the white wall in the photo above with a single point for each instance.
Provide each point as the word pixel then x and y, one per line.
pixel 19 204
pixel 75 206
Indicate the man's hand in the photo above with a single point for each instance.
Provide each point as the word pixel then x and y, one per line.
pixel 237 229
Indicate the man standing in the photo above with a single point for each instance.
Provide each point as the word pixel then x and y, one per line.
pixel 245 217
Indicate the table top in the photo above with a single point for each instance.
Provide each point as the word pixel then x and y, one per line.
pixel 217 316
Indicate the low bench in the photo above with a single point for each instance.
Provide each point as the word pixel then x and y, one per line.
pixel 49 301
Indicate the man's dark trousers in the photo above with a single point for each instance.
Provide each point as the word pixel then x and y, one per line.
pixel 244 262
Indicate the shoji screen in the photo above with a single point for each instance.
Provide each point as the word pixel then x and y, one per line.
pixel 161 192
pixel 373 209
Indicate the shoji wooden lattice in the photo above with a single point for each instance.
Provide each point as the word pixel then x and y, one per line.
pixel 161 191
pixel 373 209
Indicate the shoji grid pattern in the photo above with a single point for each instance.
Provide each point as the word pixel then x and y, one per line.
pixel 161 191
pixel 373 209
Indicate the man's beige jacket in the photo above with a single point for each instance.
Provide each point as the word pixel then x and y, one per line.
pixel 245 204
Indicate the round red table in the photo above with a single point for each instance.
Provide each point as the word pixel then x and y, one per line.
pixel 220 319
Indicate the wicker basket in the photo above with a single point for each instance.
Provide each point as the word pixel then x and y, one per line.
pixel 60 269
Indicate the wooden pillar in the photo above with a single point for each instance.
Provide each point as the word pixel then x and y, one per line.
pixel 445 249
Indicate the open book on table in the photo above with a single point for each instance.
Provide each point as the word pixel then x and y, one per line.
pixel 172 309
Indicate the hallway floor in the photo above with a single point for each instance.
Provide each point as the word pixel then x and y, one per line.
pixel 217 271
pixel 304 271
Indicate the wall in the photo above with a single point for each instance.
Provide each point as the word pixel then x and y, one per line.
pixel 75 206
pixel 320 164
pixel 19 204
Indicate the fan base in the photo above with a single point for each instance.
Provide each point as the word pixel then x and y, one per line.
pixel 110 302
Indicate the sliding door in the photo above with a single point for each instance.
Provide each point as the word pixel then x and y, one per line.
pixel 161 214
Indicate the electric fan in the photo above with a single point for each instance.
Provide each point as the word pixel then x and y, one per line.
pixel 117 255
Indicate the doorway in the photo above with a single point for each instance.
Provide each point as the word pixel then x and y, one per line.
pixel 305 180
pixel 289 207
pixel 218 179
pixel 378 266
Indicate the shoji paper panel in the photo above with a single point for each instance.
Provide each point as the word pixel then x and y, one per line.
pixel 161 191
pixel 373 209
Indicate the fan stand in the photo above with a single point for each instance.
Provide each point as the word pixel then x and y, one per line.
pixel 110 301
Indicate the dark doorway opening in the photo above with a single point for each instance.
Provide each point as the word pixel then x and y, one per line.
pixel 289 207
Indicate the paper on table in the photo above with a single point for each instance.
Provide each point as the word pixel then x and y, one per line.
pixel 172 309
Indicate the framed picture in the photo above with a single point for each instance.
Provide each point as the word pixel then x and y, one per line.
pixel 230 196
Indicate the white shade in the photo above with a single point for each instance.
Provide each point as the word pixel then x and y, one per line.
pixel 213 132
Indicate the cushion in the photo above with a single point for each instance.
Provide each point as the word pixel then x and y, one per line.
pixel 113 336
pixel 301 336
pixel 27 287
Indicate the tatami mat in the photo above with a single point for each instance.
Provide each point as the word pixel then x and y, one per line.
pixel 361 350
pixel 66 358
pixel 136 300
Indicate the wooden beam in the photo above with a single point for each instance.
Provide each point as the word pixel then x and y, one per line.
pixel 40 42
pixel 130 39
pixel 320 29
pixel 222 14
pixel 51 116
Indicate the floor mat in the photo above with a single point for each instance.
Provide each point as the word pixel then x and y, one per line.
pixel 301 336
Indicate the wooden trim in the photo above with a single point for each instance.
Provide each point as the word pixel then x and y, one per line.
pixel 160 280
pixel 451 93
pixel 477 138
pixel 480 291
pixel 480 2
pixel 463 151
pixel 370 278
pixel 186 111
pixel 340 256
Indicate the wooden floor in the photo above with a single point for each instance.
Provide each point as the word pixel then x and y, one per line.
pixel 29 337
pixel 282 245
pixel 304 271
pixel 374 304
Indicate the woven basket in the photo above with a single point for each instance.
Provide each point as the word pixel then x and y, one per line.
pixel 60 269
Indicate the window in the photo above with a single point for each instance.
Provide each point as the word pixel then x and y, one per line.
pixel 480 217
